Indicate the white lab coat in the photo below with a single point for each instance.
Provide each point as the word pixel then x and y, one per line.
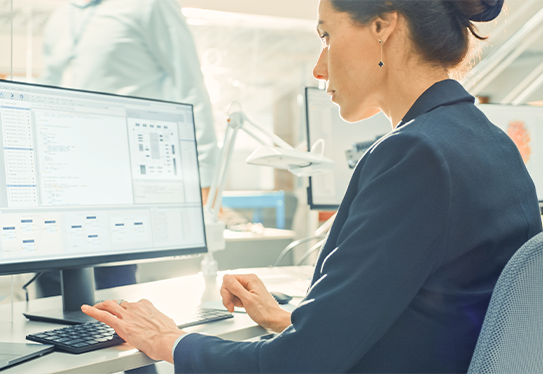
pixel 131 47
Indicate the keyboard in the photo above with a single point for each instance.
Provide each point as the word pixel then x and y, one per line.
pixel 202 315
pixel 79 338
pixel 96 335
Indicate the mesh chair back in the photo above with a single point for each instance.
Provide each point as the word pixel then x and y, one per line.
pixel 511 340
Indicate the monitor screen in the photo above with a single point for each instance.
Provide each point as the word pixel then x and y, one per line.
pixel 89 178
pixel 345 144
pixel 524 125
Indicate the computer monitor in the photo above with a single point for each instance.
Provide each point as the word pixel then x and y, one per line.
pixel 89 178
pixel 345 144
pixel 524 124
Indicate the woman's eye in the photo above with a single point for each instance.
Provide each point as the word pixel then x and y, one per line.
pixel 324 38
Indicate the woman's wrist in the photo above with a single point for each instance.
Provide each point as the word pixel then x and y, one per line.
pixel 281 321
pixel 166 341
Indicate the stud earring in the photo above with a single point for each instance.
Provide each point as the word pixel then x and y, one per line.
pixel 381 63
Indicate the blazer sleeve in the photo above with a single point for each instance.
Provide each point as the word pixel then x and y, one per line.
pixel 393 238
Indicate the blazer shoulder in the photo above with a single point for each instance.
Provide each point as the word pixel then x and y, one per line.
pixel 405 152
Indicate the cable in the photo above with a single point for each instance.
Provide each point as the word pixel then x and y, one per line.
pixel 295 244
pixel 310 251
pixel 326 226
pixel 12 299
pixel 36 276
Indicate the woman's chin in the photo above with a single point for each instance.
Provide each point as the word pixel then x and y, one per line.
pixel 352 116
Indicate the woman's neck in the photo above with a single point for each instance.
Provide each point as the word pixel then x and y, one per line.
pixel 407 74
pixel 405 86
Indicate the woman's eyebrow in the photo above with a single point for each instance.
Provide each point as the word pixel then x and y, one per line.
pixel 319 23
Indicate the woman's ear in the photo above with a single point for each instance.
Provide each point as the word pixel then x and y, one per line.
pixel 383 26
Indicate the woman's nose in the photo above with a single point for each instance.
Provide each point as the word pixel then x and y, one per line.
pixel 320 71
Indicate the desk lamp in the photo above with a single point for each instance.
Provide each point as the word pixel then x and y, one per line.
pixel 274 152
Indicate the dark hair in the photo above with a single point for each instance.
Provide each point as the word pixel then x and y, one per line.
pixel 440 29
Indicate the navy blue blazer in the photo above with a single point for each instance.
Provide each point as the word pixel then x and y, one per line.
pixel 433 213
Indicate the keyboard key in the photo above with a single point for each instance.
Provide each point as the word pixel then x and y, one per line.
pixel 96 335
pixel 73 342
pixel 61 340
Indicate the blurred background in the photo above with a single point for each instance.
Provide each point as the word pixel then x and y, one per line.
pixel 261 53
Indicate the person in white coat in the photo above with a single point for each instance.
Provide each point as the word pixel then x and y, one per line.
pixel 139 48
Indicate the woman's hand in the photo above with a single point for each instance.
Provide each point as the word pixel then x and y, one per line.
pixel 248 291
pixel 139 324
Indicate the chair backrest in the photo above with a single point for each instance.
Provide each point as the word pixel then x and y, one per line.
pixel 511 340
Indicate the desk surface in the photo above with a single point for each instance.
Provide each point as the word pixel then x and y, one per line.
pixel 266 234
pixel 169 296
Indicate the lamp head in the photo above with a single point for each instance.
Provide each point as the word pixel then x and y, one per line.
pixel 299 163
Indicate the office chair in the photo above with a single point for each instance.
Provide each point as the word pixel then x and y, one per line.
pixel 511 340
pixel 293 245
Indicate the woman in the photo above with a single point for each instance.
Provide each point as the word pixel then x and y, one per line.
pixel 432 214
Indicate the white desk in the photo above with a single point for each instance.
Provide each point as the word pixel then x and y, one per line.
pixel 169 296
pixel 243 250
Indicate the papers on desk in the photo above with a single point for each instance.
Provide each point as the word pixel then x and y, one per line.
pixel 293 285
pixel 217 304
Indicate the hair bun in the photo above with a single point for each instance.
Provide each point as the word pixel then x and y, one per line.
pixel 492 11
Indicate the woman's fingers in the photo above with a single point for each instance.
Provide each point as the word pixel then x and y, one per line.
pixel 101 315
pixel 227 298
pixel 139 324
pixel 249 281
pixel 233 293
pixel 251 293
pixel 233 285
pixel 111 307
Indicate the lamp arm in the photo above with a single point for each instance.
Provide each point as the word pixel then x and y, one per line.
pixel 214 201
pixel 254 136
pixel 215 228
pixel 277 140
pixel 220 190
pixel 237 121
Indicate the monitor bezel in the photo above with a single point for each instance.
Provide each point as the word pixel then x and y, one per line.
pixel 310 202
pixel 101 259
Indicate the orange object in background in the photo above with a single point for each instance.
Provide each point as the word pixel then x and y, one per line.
pixel 521 137
pixel 325 216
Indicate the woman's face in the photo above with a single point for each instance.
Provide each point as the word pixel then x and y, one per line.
pixel 349 63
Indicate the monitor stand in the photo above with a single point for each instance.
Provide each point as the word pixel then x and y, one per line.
pixel 77 287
